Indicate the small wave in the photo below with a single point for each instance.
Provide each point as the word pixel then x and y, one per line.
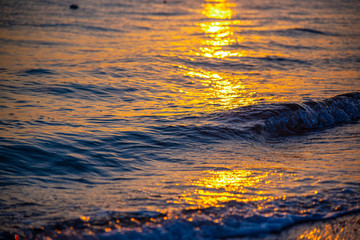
pixel 232 220
pixel 168 13
pixel 269 120
pixel 39 71
pixel 304 31
pixel 308 30
pixel 299 118
pixel 282 60
pixel 81 91
pixel 293 118
pixel 101 29
pixel 75 26
pixel 296 46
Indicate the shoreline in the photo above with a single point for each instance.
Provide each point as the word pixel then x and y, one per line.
pixel 345 227
pixel 342 227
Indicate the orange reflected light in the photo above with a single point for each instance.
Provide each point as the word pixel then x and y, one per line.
pixel 222 89
pixel 220 34
pixel 224 186
pixel 229 180
pixel 219 31
pixel 326 232
pixel 85 219
pixel 219 9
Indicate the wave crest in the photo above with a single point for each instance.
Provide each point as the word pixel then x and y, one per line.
pixel 298 118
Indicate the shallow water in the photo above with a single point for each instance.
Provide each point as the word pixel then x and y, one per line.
pixel 178 120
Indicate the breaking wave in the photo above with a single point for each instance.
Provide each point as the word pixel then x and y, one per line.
pixel 313 115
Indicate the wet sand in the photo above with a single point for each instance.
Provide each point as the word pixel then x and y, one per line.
pixel 341 228
pixel 345 227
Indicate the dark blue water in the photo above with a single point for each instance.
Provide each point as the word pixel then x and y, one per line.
pixel 189 119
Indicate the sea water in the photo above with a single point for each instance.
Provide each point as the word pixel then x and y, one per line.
pixel 177 119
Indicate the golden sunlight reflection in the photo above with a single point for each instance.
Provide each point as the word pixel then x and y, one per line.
pixel 315 233
pixel 220 187
pixel 85 218
pixel 217 9
pixel 219 89
pixel 219 33
pixel 340 228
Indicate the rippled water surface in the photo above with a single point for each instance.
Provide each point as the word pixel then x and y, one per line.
pixel 177 119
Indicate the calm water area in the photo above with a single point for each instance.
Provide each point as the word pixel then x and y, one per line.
pixel 177 119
